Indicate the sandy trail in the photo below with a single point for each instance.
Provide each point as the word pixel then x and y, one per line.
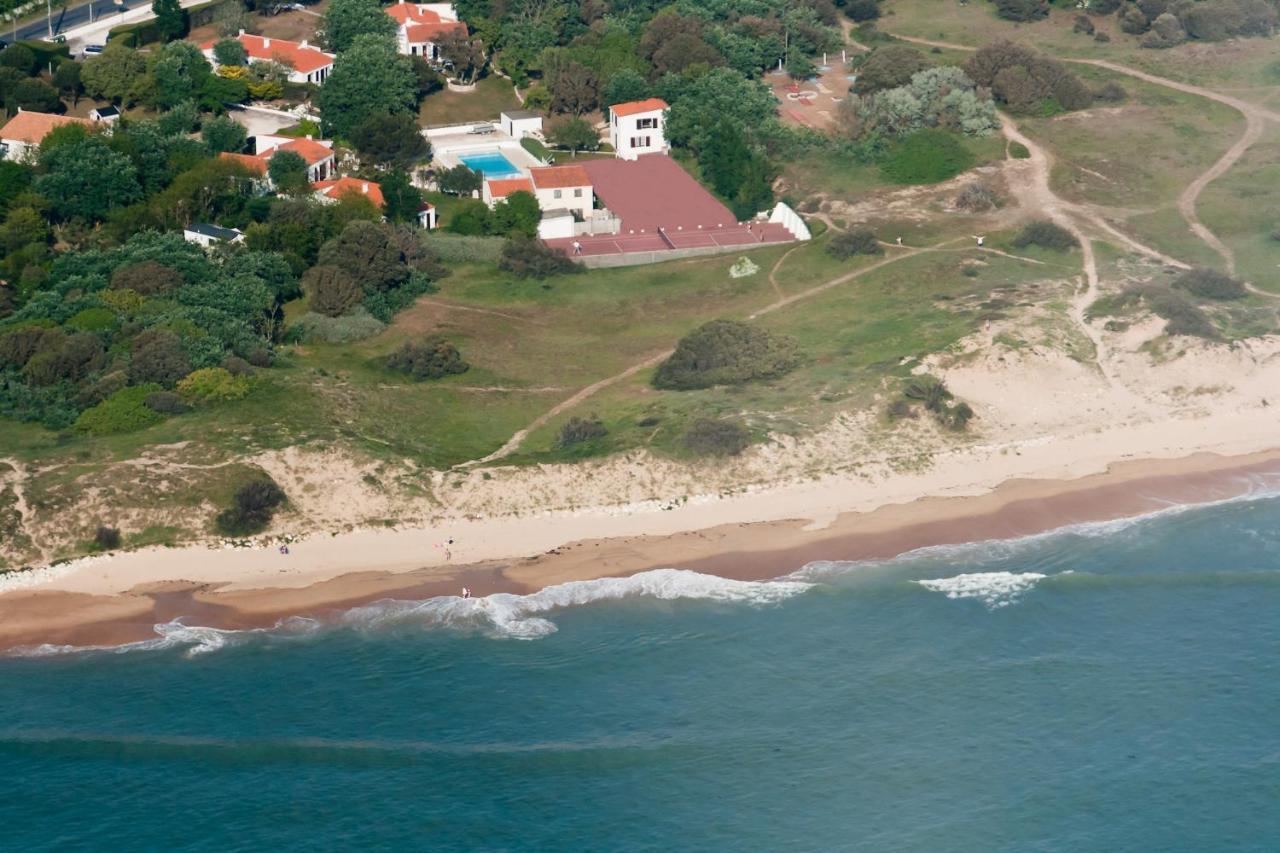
pixel 1255 118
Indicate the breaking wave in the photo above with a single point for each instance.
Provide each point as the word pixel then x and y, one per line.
pixel 994 589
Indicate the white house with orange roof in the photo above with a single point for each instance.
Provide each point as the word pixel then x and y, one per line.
pixel 637 127
pixel 24 132
pixel 421 26
pixel 330 192
pixel 494 191
pixel 308 64
pixel 563 188
pixel 317 154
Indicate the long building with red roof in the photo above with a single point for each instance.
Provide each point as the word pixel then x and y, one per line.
pixel 421 26
pixel 308 64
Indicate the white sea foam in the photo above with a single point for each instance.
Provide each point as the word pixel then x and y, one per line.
pixel 522 616
pixel 994 589
pixel 197 639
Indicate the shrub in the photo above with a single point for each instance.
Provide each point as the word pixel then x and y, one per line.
pixel 1042 232
pixel 956 417
pixel 165 402
pixel 251 509
pixel 725 352
pixel 889 67
pixel 708 437
pixel 150 278
pixel 862 10
pixel 75 358
pixel 526 257
pixel 316 328
pixel 20 345
pixel 578 430
pixel 1104 7
pixel 977 198
pixel 859 241
pixel 1210 284
pixel 106 538
pixel 1111 92
pixel 212 385
pixel 1022 10
pixel 927 156
pixel 123 411
pixel 899 410
pixel 1101 38
pixel 1182 316
pixel 1083 25
pixel 158 357
pixel 930 391
pixel 333 292
pixel 432 358
pixel 237 366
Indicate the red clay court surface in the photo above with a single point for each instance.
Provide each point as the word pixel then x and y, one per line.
pixel 654 193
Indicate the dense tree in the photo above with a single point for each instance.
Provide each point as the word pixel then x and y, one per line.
pixel 369 78
pixel 20 58
pixel 574 88
pixel 288 172
pixel 230 51
pixel 36 95
pixel 66 77
pixel 576 134
pixel 862 10
pixel 724 157
pixel 87 179
pixel 178 72
pixel 518 213
pixel 401 199
pixel 458 180
pixel 331 290
pixel 15 179
pixel 725 352
pixel 386 139
pixel 526 257
pixel 347 20
pixel 888 67
pixel 150 278
pixel 171 19
pixel 112 74
pixel 221 133
pixel 157 356
pixel 465 55
pixel 697 105
pixel 367 252
pixel 626 85
pixel 432 358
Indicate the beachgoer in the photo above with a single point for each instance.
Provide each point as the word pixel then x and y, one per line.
pixel 899 241
pixel 466 592
pixel 980 240
pixel 577 247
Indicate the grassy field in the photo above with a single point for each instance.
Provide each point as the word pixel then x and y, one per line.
pixel 1243 209
pixel 492 95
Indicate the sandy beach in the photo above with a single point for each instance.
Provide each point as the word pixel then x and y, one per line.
pixel 974 495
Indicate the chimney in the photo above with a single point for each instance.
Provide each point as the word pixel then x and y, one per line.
pixel 303 43
pixel 266 42
pixel 365 187
pixel 309 138
pixel 241 32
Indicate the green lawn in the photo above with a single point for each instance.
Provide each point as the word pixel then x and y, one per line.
pixel 492 95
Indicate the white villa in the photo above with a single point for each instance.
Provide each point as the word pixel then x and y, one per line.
pixel 308 64
pixel 636 127
pixel 25 131
pixel 420 26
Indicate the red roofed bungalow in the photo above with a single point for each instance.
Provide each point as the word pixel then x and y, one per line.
pixel 308 64
pixel 494 191
pixel 27 129
pixel 336 189
pixel 636 127
pixel 565 187
pixel 421 26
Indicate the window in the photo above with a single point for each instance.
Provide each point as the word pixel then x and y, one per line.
pixel 577 193
pixel 559 193
pixel 647 124
pixel 640 141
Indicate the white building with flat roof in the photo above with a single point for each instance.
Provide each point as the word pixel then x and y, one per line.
pixel 637 127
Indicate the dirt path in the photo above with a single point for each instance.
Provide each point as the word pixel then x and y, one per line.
pixel 773 273
pixel 1255 118
pixel 16 481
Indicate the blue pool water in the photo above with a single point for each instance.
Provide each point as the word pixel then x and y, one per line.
pixel 493 163
pixel 1109 687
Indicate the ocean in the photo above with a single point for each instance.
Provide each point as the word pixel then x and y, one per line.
pixel 1105 687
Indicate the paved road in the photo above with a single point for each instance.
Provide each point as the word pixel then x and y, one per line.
pixel 64 19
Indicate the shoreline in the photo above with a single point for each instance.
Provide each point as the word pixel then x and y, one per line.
pixel 119 599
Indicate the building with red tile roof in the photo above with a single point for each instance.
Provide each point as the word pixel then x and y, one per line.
pixel 337 188
pixel 421 26
pixel 494 191
pixel 636 127
pixel 565 187
pixel 24 132
pixel 309 64
pixel 253 163
pixel 318 156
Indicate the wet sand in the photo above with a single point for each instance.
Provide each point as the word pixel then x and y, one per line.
pixel 745 551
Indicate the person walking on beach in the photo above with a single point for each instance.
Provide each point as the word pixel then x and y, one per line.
pixel 466 592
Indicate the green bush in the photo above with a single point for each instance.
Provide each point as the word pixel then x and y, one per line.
pixel 212 385
pixel 1210 284
pixel 106 538
pixel 579 430
pixel 432 358
pixel 165 402
pixel 1042 232
pixel 1022 10
pixel 1018 151
pixel 977 198
pixel 927 156
pixel 315 328
pixel 726 352
pixel 93 320
pixel 859 241
pixel 123 411
pixel 251 509
pixel 526 257
pixel 708 437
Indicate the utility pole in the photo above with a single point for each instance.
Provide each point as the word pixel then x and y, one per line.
pixel 48 5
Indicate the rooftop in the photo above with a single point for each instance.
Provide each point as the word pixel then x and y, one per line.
pixel 300 55
pixel 631 108
pixel 506 186
pixel 517 114
pixel 215 231
pixel 249 161
pixel 554 177
pixel 340 187
pixel 308 149
pixel 31 127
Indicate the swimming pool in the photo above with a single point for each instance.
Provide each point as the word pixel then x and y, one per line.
pixel 492 163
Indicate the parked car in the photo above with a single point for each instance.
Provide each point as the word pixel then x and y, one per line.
pixel 3 44
pixel 92 49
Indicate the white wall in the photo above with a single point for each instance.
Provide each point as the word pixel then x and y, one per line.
pixel 547 199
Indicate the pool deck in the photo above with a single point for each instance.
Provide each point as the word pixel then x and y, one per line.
pixel 448 149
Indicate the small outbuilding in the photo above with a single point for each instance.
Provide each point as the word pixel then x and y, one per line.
pixel 521 123
pixel 207 234
pixel 105 115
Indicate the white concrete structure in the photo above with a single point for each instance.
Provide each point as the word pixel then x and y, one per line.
pixel 556 224
pixel 638 127
pixel 207 235
pixel 521 123
pixel 307 64
pixel 783 215
pixel 105 115
pixel 563 188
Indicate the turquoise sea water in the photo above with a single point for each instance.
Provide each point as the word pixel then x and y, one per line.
pixel 1114 687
